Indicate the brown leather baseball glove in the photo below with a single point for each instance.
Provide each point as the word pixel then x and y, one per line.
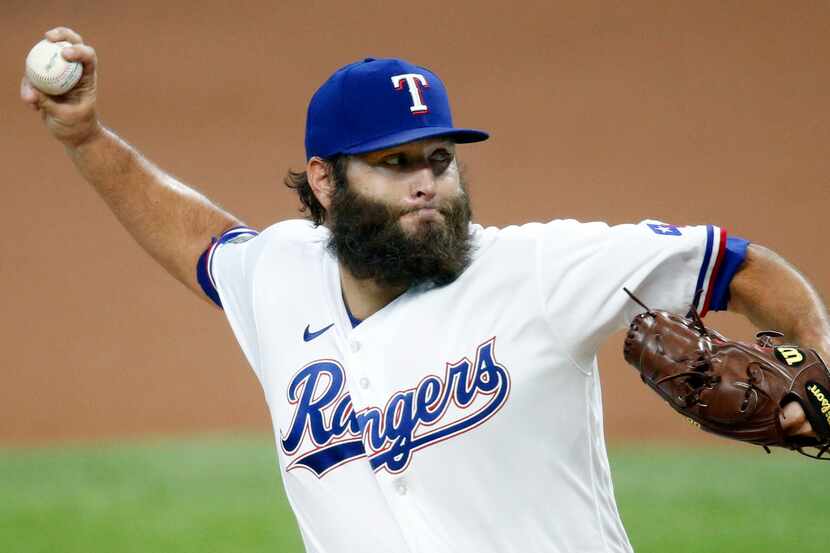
pixel 732 389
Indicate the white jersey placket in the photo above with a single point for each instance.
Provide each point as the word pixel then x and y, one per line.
pixel 362 353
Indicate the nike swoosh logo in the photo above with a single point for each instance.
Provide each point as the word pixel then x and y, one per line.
pixel 309 336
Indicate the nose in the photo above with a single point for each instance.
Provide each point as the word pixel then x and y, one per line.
pixel 423 184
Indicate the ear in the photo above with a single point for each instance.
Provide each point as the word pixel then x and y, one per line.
pixel 320 180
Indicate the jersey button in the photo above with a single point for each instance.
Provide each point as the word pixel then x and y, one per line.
pixel 400 487
pixel 355 345
pixel 364 382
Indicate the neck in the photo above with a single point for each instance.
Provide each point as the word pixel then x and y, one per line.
pixel 366 297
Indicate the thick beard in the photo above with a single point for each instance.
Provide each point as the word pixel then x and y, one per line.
pixel 367 238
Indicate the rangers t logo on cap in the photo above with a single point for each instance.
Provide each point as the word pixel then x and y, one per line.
pixel 412 80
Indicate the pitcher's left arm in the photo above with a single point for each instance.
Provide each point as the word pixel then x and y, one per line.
pixel 773 294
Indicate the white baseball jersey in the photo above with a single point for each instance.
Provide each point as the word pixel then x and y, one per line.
pixel 460 418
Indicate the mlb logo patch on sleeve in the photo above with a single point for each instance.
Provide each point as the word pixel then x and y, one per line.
pixel 665 230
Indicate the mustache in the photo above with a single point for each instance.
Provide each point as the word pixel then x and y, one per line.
pixel 445 208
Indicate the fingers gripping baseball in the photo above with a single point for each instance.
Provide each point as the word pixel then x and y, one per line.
pixel 63 33
pixel 70 117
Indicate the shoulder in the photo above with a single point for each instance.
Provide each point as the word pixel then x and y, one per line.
pixel 298 231
pixel 568 232
pixel 245 248
pixel 568 238
pixel 516 247
pixel 563 230
pixel 290 235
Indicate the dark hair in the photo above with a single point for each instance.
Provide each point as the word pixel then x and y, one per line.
pixel 298 181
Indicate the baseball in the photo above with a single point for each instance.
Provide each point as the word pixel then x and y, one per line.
pixel 48 71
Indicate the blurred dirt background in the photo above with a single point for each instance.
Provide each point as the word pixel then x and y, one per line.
pixel 690 112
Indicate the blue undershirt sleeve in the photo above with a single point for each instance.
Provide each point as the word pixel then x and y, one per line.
pixel 732 260
pixel 204 269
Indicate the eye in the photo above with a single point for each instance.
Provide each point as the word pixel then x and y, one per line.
pixel 440 160
pixel 441 156
pixel 396 160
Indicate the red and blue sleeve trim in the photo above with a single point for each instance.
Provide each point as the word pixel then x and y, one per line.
pixel 722 258
pixel 204 267
pixel 712 259
pixel 733 258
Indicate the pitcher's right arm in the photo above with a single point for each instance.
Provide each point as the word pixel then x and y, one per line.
pixel 172 222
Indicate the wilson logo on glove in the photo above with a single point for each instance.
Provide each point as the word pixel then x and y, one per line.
pixel 790 355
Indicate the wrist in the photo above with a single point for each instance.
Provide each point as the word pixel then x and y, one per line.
pixel 818 342
pixel 823 350
pixel 92 134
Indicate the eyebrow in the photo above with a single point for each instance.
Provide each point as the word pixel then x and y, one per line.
pixel 394 151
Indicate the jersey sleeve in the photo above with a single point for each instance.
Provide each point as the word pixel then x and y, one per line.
pixel 225 273
pixel 585 266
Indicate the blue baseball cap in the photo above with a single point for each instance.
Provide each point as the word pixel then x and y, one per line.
pixel 379 103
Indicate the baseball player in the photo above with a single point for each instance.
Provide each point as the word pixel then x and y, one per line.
pixel 432 383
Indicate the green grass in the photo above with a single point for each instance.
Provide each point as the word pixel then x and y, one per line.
pixel 213 495
pixel 722 500
pixel 223 495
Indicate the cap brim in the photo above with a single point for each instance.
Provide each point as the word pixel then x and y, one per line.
pixel 460 136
